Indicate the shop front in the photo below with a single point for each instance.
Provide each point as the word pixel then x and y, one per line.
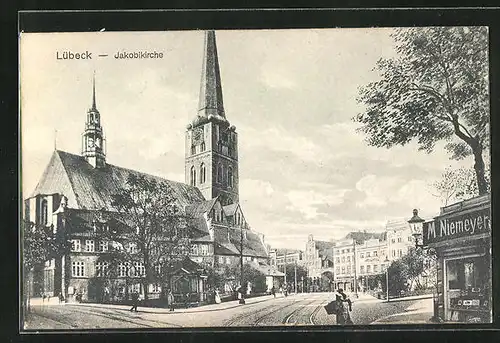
pixel 461 237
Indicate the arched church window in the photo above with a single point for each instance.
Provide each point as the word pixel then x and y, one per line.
pixel 202 146
pixel 220 173
pixel 44 214
pixel 193 149
pixel 230 177
pixel 193 176
pixel 202 173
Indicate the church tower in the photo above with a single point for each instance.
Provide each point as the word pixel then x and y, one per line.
pixel 93 142
pixel 211 142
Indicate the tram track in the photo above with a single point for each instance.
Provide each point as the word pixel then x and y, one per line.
pixel 286 320
pixel 316 311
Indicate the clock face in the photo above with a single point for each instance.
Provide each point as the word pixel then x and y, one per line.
pixel 198 135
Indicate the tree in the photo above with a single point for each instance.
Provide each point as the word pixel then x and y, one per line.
pixel 157 231
pixel 458 184
pixel 436 89
pixel 413 266
pixel 217 277
pixel 40 243
pixel 290 272
pixel 252 275
pixel 397 278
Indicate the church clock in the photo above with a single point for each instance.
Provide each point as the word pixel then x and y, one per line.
pixel 198 136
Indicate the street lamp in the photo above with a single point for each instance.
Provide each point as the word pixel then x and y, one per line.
pixel 242 299
pixel 387 277
pixel 416 227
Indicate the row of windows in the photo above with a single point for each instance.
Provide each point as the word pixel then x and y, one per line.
pixel 343 251
pixel 220 177
pixel 400 239
pixel 89 245
pixel 220 147
pixel 200 250
pixel 347 270
pixel 202 148
pixel 137 269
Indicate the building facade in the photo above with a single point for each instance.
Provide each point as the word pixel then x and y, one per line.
pixel 280 257
pixel 461 238
pixel 344 254
pixel 399 238
pixel 75 194
pixel 371 260
pixel 318 257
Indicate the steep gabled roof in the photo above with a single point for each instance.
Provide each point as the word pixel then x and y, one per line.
pixel 281 252
pixel 252 245
pixel 92 188
pixel 229 210
pixel 186 265
pixel 199 208
pixel 223 246
pixel 266 269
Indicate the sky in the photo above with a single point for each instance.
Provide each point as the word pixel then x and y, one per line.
pixel 304 169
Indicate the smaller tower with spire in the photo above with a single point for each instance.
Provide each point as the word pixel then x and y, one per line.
pixel 93 142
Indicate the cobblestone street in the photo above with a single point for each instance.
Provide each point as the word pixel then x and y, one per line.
pixel 295 310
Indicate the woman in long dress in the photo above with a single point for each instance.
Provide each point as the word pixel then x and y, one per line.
pixel 344 306
pixel 217 297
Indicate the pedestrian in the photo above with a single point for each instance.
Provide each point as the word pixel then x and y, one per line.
pixel 281 290
pixel 170 300
pixel 217 297
pixel 344 306
pixel 273 291
pixel 61 298
pixel 135 301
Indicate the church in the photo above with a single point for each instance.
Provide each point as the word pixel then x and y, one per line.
pixel 75 194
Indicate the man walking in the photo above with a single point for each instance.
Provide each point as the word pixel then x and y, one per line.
pixel 135 301
pixel 170 300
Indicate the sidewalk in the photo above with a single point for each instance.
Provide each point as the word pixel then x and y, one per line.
pixel 413 297
pixel 362 297
pixel 419 313
pixel 203 308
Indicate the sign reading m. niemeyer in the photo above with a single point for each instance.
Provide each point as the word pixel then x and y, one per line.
pixel 461 225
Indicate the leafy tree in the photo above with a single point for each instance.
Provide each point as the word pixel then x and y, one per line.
pixel 39 244
pixel 413 263
pixel 397 278
pixel 290 272
pixel 252 275
pixel 436 89
pixel 458 184
pixel 157 232
pixel 217 277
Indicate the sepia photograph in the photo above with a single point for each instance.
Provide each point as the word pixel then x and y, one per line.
pixel 255 178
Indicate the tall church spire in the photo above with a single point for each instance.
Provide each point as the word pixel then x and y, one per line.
pixel 211 141
pixel 211 88
pixel 93 93
pixel 93 141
